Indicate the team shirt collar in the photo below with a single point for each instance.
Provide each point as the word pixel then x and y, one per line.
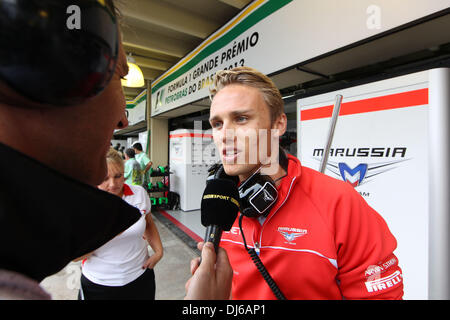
pixel 127 190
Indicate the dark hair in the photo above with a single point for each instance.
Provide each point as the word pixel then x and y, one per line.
pixel 137 146
pixel 130 153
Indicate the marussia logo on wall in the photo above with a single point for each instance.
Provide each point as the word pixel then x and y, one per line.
pixel 361 173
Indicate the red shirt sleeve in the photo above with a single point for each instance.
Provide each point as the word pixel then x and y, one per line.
pixel 367 266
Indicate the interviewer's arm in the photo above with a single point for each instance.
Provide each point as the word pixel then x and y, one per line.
pixel 212 279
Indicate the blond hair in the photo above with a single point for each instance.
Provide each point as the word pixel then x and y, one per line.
pixel 114 157
pixel 253 78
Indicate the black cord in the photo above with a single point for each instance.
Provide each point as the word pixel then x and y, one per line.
pixel 260 266
pixel 280 178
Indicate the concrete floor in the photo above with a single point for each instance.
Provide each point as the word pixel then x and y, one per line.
pixel 171 272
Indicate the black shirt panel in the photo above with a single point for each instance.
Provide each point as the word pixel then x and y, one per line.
pixel 48 219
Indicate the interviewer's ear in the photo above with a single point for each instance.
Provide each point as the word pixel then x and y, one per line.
pixel 281 124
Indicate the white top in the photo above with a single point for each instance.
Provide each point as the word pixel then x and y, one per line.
pixel 120 260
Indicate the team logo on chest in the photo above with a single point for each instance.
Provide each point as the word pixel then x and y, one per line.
pixel 291 234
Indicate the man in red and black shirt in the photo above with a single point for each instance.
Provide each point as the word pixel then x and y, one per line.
pixel 320 239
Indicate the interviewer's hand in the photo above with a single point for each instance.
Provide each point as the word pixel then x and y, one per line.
pixel 212 279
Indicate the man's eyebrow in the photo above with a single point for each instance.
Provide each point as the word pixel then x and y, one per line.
pixel 241 112
pixel 235 113
pixel 213 118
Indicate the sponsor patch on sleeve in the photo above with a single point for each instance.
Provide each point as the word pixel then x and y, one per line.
pixel 384 283
pixel 381 267
pixel 378 278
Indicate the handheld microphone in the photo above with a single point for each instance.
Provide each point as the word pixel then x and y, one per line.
pixel 219 208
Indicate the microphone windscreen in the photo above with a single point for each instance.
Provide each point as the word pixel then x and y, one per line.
pixel 220 203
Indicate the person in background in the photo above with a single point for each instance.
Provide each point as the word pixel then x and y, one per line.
pixel 122 152
pixel 122 268
pixel 144 161
pixel 132 174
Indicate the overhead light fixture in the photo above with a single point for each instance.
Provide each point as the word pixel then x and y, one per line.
pixel 134 78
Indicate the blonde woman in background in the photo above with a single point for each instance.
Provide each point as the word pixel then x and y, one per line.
pixel 122 268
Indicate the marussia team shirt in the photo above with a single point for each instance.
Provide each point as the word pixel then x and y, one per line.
pixel 321 240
